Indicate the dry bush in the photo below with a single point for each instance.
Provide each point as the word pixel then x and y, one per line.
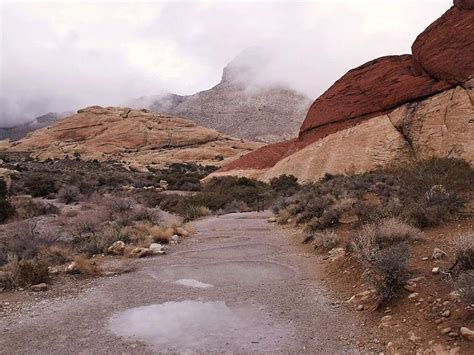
pixel 56 254
pixel 370 238
pixel 27 272
pixel 193 212
pixel 389 266
pixel 69 194
pixel 85 266
pixel 27 207
pixel 161 234
pixel 327 239
pixel 425 193
pixel 465 287
pixel 464 252
pixel 26 240
pixel 382 247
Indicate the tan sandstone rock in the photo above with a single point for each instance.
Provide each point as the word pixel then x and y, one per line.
pixel 136 137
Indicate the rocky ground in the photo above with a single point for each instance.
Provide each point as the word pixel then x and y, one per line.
pixel 239 284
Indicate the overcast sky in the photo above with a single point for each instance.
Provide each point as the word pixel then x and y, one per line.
pixel 61 56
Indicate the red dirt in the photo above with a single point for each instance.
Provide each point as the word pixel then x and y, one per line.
pixel 346 279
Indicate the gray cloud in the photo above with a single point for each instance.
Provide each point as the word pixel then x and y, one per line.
pixel 65 55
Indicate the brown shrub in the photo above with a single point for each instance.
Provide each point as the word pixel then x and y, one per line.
pixel 327 239
pixel 464 252
pixel 382 247
pixel 85 266
pixel 27 271
pixel 56 254
pixel 465 287
pixel 69 194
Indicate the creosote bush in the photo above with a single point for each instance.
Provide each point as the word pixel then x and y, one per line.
pixel 424 193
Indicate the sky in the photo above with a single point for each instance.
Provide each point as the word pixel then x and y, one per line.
pixel 63 55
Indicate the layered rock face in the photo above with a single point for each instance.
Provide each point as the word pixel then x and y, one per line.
pixel 240 107
pixel 136 137
pixel 389 110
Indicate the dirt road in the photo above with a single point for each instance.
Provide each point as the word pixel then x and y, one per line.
pixel 238 285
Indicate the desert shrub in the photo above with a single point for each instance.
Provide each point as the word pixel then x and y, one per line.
pixel 373 237
pixel 6 210
pixel 160 234
pixel 69 194
pixel 3 189
pixel 26 207
pixel 27 272
pixel 424 193
pixel 40 185
pixel 389 265
pixel 383 248
pixel 285 184
pixel 465 287
pixel 326 239
pixel 464 253
pixel 93 236
pixel 193 212
pixel 183 176
pixel 26 240
pixel 86 267
pixel 55 254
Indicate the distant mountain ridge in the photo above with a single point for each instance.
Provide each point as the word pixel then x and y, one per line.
pixel 239 106
pixel 17 132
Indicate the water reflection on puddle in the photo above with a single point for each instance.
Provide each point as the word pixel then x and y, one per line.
pixel 192 283
pixel 171 324
pixel 195 326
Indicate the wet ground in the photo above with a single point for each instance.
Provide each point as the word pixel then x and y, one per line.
pixel 240 284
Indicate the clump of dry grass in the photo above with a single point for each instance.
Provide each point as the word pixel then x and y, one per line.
pixel 327 239
pixel 383 248
pixel 56 254
pixel 27 272
pixel 85 266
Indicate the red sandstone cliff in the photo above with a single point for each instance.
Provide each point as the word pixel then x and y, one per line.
pixel 443 58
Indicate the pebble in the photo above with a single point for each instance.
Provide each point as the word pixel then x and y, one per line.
pixel 360 307
pixel 446 313
pixel 446 330
pixel 412 295
pixel 425 258
pixel 435 270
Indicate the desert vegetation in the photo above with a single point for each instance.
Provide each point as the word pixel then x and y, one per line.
pixel 65 216
pixel 377 217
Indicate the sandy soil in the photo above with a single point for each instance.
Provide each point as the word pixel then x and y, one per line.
pixel 240 284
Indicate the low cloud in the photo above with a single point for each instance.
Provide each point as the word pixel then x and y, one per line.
pixel 65 55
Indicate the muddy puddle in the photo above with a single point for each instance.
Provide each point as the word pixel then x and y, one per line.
pixel 225 273
pixel 195 326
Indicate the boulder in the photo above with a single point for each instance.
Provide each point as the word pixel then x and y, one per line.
pixel 446 48
pixel 139 252
pixel 157 248
pixel 467 333
pixel 117 248
pixel 39 287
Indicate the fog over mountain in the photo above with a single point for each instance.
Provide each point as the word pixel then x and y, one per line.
pixel 74 54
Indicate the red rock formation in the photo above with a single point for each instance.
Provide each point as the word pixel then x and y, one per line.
pixel 464 4
pixel 443 57
pixel 446 48
pixel 372 89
